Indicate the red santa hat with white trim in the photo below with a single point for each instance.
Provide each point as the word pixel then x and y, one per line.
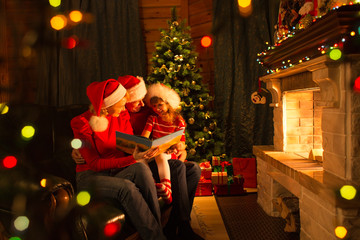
pixel 165 93
pixel 103 95
pixel 135 86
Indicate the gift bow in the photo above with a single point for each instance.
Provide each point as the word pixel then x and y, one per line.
pixel 205 165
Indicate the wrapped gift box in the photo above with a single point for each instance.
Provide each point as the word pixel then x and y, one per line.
pixel 205 170
pixel 247 168
pixel 215 161
pixel 219 177
pixel 229 189
pixel 204 188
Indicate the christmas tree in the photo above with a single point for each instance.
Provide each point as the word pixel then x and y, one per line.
pixel 174 64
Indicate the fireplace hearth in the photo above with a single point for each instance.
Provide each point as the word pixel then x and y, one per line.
pixel 316 140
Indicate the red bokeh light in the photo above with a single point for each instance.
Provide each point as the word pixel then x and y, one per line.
pixel 112 228
pixel 357 84
pixel 69 43
pixel 9 161
pixel 206 41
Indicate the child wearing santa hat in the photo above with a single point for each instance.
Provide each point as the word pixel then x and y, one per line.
pixel 165 102
pixel 128 179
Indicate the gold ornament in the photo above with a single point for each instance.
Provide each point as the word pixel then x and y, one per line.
pixel 192 151
pixel 212 125
pixel 193 82
pixel 201 107
pixel 205 129
pixel 201 141
pixel 191 120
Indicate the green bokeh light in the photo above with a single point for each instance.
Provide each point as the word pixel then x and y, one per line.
pixel 55 3
pixel 28 132
pixel 335 54
pixel 14 238
pixel 21 223
pixel 348 192
pixel 76 143
pixel 83 198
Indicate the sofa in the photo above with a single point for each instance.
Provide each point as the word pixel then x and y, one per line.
pixel 42 185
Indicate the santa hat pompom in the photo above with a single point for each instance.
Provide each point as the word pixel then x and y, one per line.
pixel 98 124
pixel 135 86
pixel 165 93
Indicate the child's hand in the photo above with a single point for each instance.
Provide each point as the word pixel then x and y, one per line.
pixel 147 155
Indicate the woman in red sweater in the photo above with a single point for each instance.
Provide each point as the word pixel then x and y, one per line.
pixel 108 171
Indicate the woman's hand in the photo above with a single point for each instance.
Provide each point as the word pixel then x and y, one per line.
pixel 76 156
pixel 147 155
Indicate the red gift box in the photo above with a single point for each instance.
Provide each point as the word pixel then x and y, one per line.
pixel 215 161
pixel 205 169
pixel 204 188
pixel 247 168
pixel 229 189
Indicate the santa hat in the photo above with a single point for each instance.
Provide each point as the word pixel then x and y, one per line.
pixel 165 93
pixel 135 86
pixel 103 95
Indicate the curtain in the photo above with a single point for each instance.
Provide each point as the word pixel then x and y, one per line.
pixel 237 41
pixel 110 44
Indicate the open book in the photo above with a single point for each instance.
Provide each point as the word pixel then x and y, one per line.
pixel 126 142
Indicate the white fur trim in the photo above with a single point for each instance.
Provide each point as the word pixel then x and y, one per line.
pixel 113 98
pixel 98 124
pixel 138 91
pixel 165 93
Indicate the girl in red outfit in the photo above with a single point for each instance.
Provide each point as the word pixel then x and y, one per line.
pixel 164 101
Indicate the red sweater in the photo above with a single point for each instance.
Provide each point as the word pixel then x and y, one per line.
pixel 100 151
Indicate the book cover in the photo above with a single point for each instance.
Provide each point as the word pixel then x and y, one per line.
pixel 126 142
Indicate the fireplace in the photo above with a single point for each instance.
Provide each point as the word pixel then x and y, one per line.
pixel 316 146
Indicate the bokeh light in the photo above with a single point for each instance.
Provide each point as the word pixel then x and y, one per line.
pixel 58 22
pixel 28 132
pixel 111 229
pixel 335 54
pixel 244 3
pixel 43 182
pixel 15 238
pixel 340 232
pixel 3 108
pixel 55 3
pixel 206 41
pixel 75 16
pixel 246 10
pixel 9 161
pixel 21 223
pixel 352 33
pixel 357 84
pixel 83 198
pixel 76 143
pixel 69 43
pixel 348 192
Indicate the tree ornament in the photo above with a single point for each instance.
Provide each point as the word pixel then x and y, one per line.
pixel 201 141
pixel 193 82
pixel 175 23
pixel 205 129
pixel 201 107
pixel 192 151
pixel 191 120
pixel 212 125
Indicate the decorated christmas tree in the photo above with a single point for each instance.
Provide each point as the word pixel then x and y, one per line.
pixel 174 64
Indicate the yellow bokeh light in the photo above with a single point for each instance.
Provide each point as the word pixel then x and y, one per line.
pixel 83 198
pixel 75 16
pixel 348 192
pixel 335 54
pixel 3 108
pixel 244 3
pixel 58 22
pixel 55 3
pixel 28 132
pixel 76 143
pixel 43 182
pixel 21 223
pixel 340 231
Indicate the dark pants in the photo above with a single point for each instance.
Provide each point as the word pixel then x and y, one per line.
pixel 184 180
pixel 134 189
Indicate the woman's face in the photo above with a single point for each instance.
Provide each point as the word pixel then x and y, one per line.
pixel 117 108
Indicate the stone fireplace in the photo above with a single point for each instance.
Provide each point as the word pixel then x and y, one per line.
pixel 316 140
